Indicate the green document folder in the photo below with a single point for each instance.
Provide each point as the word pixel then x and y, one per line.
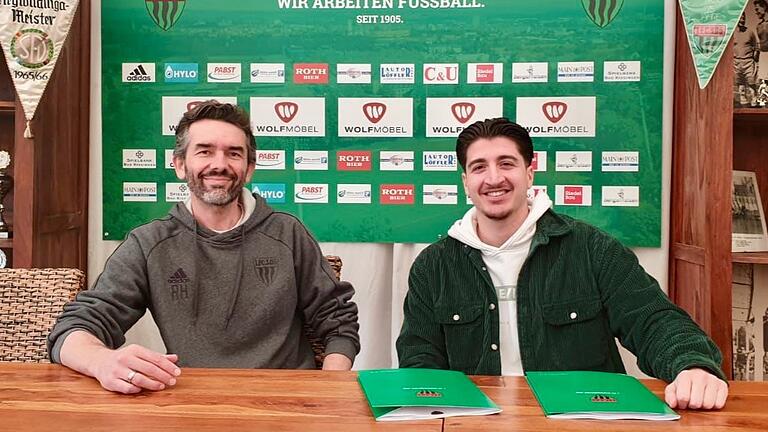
pixel 420 394
pixel 596 395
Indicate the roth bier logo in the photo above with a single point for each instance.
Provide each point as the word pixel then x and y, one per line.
pixel 396 194
pixel 310 73
pixel 353 161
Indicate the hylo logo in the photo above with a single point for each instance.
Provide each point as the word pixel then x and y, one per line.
pixel 554 111
pixel 463 111
pixel 374 111
pixel 286 111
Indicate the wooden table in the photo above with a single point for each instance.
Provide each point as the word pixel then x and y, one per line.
pixel 52 398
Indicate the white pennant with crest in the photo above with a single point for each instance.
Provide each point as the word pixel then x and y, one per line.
pixel 709 25
pixel 32 33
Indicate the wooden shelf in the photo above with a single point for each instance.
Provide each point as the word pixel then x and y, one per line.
pixel 738 112
pixel 750 257
pixel 6 243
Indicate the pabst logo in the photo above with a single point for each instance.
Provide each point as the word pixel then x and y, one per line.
pixel 374 111
pixel 310 73
pixel 286 111
pixel 353 161
pixel 463 111
pixel 396 194
pixel 554 111
pixel 311 193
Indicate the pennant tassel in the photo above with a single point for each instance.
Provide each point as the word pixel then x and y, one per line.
pixel 28 132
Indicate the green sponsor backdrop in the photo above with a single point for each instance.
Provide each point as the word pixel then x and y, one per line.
pixel 503 31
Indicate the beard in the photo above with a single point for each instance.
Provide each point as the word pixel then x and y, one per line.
pixel 217 196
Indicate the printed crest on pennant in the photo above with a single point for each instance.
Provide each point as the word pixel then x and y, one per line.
pixel 602 12
pixel 165 13
pixel 32 48
pixel 709 38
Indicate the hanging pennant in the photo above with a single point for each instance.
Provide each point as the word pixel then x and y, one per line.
pixel 709 25
pixel 32 33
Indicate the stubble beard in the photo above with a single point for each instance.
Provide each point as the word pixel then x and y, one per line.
pixel 217 196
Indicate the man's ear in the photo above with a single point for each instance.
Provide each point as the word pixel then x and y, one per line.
pixel 464 182
pixel 178 166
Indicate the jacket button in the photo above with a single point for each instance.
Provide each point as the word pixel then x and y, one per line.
pixel 494 347
pixel 484 269
pixel 491 306
pixel 573 315
pixel 456 317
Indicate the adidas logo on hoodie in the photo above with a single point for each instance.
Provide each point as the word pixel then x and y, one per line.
pixel 178 284
pixel 138 72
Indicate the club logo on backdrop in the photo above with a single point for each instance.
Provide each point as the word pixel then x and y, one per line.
pixel 602 12
pixel 554 111
pixel 374 111
pixel 165 13
pixel 708 38
pixel 463 111
pixel 286 111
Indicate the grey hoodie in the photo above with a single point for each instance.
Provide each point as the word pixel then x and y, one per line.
pixel 235 299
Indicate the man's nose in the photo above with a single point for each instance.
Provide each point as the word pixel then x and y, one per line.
pixel 493 176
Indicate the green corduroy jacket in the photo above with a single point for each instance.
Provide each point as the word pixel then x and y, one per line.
pixel 577 290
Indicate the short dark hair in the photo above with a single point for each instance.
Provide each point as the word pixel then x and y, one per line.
pixel 214 110
pixel 492 128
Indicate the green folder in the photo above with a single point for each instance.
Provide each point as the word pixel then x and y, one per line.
pixel 420 394
pixel 596 395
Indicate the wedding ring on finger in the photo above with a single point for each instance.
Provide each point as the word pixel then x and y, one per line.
pixel 130 376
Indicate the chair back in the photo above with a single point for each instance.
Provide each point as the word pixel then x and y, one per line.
pixel 30 301
pixel 318 345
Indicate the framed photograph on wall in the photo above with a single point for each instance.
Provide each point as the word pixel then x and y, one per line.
pixel 749 233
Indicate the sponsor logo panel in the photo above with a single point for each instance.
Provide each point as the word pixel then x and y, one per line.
pixel 139 192
pixel 620 161
pixel 175 106
pixel 573 195
pixel 180 72
pixel 139 158
pixel 383 117
pixel 535 191
pixel 573 161
pixel 268 73
pixel 440 194
pixel 485 73
pixel 575 72
pixel 568 116
pixel 396 161
pixel 614 71
pixel 397 73
pixel 310 73
pixel 310 193
pixel 270 159
pixel 224 72
pixel 396 194
pixel 353 161
pixel 169 159
pixel 273 193
pixel 310 160
pixel 539 162
pixel 138 72
pixel 439 161
pixel 353 193
pixel 276 116
pixel 441 73
pixel 621 196
pixel 348 73
pixel 447 117
pixel 176 192
pixel 537 72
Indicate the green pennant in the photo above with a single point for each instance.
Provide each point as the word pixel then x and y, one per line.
pixel 709 25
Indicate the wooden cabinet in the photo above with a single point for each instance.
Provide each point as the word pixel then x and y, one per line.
pixel 47 208
pixel 709 141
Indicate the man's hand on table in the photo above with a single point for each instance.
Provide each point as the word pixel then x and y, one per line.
pixel 696 389
pixel 134 368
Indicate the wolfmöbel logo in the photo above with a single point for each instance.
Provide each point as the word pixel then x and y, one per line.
pixel 382 117
pixel 576 195
pixel 571 116
pixel 175 106
pixel 279 116
pixel 441 73
pixel 286 111
pixel 353 161
pixel 311 193
pixel 270 159
pixel 396 194
pixel 310 73
pixel 447 117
